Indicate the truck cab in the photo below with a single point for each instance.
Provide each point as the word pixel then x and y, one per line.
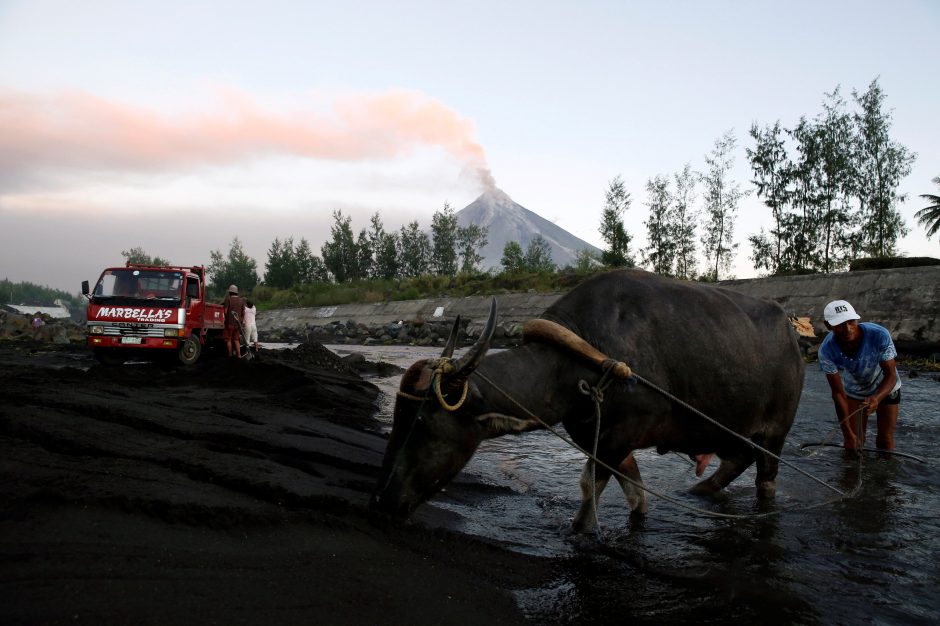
pixel 138 309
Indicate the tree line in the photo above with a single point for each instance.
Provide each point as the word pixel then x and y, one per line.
pixel 830 183
pixel 375 253
pixel 33 294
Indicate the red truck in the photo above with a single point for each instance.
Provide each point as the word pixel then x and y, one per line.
pixel 137 310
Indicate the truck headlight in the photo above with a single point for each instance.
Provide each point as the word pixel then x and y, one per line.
pixel 96 330
pixel 172 332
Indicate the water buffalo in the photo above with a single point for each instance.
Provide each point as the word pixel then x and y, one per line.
pixel 733 357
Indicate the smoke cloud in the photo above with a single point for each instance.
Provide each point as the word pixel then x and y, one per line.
pixel 76 131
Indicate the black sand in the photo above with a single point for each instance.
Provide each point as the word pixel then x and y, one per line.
pixel 228 492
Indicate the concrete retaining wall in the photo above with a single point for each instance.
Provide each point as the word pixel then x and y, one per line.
pixel 906 301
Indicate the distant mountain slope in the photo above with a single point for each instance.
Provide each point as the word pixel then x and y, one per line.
pixel 507 221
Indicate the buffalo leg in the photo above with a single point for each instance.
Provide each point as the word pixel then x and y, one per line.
pixel 584 520
pixel 767 467
pixel 730 468
pixel 636 495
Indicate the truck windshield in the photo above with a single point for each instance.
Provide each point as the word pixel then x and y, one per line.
pixel 129 284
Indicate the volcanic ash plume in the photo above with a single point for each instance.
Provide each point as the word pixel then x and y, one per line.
pixel 77 130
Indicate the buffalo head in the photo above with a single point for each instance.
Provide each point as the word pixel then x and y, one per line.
pixel 439 421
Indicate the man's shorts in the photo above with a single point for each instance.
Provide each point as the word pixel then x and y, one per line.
pixel 893 398
pixel 230 332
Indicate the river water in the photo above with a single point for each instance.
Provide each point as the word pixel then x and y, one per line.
pixel 868 559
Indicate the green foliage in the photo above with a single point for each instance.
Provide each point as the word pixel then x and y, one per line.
pixel 837 196
pixel 660 251
pixel 280 270
pixel 684 221
pixel 586 262
pixel 424 286
pixel 444 241
pixel 929 216
pixel 772 171
pixel 236 268
pixel 384 247
pixel 538 256
pixel 512 260
pixel 414 251
pixel 880 165
pixel 39 295
pixel 138 255
pixel 722 196
pixel 834 181
pixel 612 229
pixel 340 253
pixel 470 240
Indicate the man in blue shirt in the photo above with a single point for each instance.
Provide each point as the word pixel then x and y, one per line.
pixel 858 360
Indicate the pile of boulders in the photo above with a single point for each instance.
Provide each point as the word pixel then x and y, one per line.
pixel 418 332
pixel 18 327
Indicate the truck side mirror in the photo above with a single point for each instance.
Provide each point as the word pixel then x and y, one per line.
pixel 85 290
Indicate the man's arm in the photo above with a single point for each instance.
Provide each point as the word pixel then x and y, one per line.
pixel 890 379
pixel 841 402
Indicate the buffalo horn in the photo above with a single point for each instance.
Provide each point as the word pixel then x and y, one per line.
pixel 452 340
pixel 468 362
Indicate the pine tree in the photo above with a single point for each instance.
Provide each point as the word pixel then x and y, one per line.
pixel 834 182
pixel 414 251
pixel 512 261
pixel 722 196
pixel 236 268
pixel 684 219
pixel 612 229
pixel 470 240
pixel 771 167
pixel 538 256
pixel 659 253
pixel 340 253
pixel 881 164
pixel 444 241
pixel 803 226
pixel 281 270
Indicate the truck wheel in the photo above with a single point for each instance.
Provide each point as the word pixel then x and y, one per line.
pixel 190 350
pixel 110 357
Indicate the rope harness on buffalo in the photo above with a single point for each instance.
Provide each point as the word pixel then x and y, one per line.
pixel 442 367
pixel 596 394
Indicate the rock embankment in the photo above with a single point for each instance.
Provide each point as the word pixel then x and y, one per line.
pixel 59 331
pixel 906 301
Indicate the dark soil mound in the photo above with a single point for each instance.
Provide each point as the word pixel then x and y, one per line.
pixel 234 491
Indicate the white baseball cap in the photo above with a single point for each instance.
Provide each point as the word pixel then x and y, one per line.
pixel 838 312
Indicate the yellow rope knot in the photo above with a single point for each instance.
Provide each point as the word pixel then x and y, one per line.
pixel 444 367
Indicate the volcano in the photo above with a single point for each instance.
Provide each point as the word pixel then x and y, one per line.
pixel 506 220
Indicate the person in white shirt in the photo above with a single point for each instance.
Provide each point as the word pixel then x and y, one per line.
pixel 249 327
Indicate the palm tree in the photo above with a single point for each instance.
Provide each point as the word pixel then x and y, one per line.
pixel 929 217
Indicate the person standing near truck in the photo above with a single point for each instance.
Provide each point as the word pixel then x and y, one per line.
pixel 250 326
pixel 234 314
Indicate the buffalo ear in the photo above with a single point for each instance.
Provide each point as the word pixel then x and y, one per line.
pixel 497 424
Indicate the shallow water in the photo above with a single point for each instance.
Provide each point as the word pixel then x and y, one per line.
pixel 869 558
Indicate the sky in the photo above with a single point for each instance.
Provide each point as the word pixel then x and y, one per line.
pixel 177 126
